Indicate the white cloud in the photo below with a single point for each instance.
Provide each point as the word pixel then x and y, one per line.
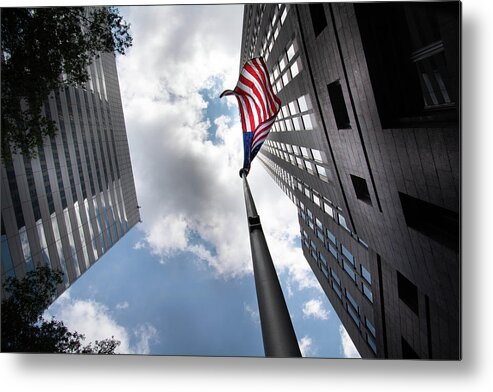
pixel 139 245
pixel 252 312
pixel 314 308
pixel 188 185
pixel 347 345
pixel 144 334
pixel 306 346
pixel 95 322
pixel 123 305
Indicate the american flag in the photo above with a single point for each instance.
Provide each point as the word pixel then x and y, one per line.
pixel 258 106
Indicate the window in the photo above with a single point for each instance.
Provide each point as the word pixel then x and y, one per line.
pixel 371 343
pixel 349 271
pixel 317 155
pixel 408 292
pixel 305 153
pixel 297 124
pixel 348 254
pixel 293 108
pixel 338 105
pixel 342 222
pixel 370 327
pixel 336 290
pixel 319 21
pixel 307 121
pixel 438 223
pixel 7 266
pixel 333 251
pixel 321 172
pixel 328 209
pixel 363 243
pixel 335 277
pixel 331 236
pixel 295 68
pixel 303 103
pixel 367 292
pixel 352 300
pixel 366 274
pixel 353 315
pixel 361 189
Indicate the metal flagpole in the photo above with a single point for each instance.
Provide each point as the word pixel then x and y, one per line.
pixel 277 330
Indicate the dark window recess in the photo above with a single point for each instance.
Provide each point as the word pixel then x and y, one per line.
pixel 408 292
pixel 361 189
pixel 338 105
pixel 438 223
pixel 319 21
pixel 414 79
pixel 407 350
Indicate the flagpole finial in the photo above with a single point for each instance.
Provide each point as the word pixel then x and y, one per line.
pixel 243 170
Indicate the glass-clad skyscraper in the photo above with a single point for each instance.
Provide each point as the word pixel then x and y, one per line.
pixel 367 147
pixel 77 198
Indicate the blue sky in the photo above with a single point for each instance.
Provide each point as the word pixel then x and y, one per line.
pixel 181 282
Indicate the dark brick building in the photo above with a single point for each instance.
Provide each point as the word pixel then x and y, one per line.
pixel 367 146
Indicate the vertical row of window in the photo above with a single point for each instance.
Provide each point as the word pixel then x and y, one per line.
pixel 84 132
pixel 64 134
pixel 276 21
pixel 32 188
pixel 301 157
pixel 56 159
pixel 255 25
pixel 46 179
pixel 346 263
pixel 287 67
pixel 14 193
pixel 295 116
pixel 92 134
pixel 73 132
pixel 6 257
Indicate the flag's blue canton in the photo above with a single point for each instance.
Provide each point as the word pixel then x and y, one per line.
pixel 247 142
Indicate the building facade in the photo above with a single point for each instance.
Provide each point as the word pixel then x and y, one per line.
pixel 367 147
pixel 76 199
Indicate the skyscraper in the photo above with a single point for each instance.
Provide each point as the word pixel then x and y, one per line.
pixel 72 203
pixel 367 147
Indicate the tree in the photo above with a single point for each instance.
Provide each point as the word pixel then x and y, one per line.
pixel 25 330
pixel 39 45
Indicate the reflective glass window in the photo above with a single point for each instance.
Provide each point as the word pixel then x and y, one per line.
pixel 366 274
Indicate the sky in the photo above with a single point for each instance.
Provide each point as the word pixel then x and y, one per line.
pixel 181 282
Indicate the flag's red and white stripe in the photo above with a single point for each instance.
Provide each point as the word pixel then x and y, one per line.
pixel 258 105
